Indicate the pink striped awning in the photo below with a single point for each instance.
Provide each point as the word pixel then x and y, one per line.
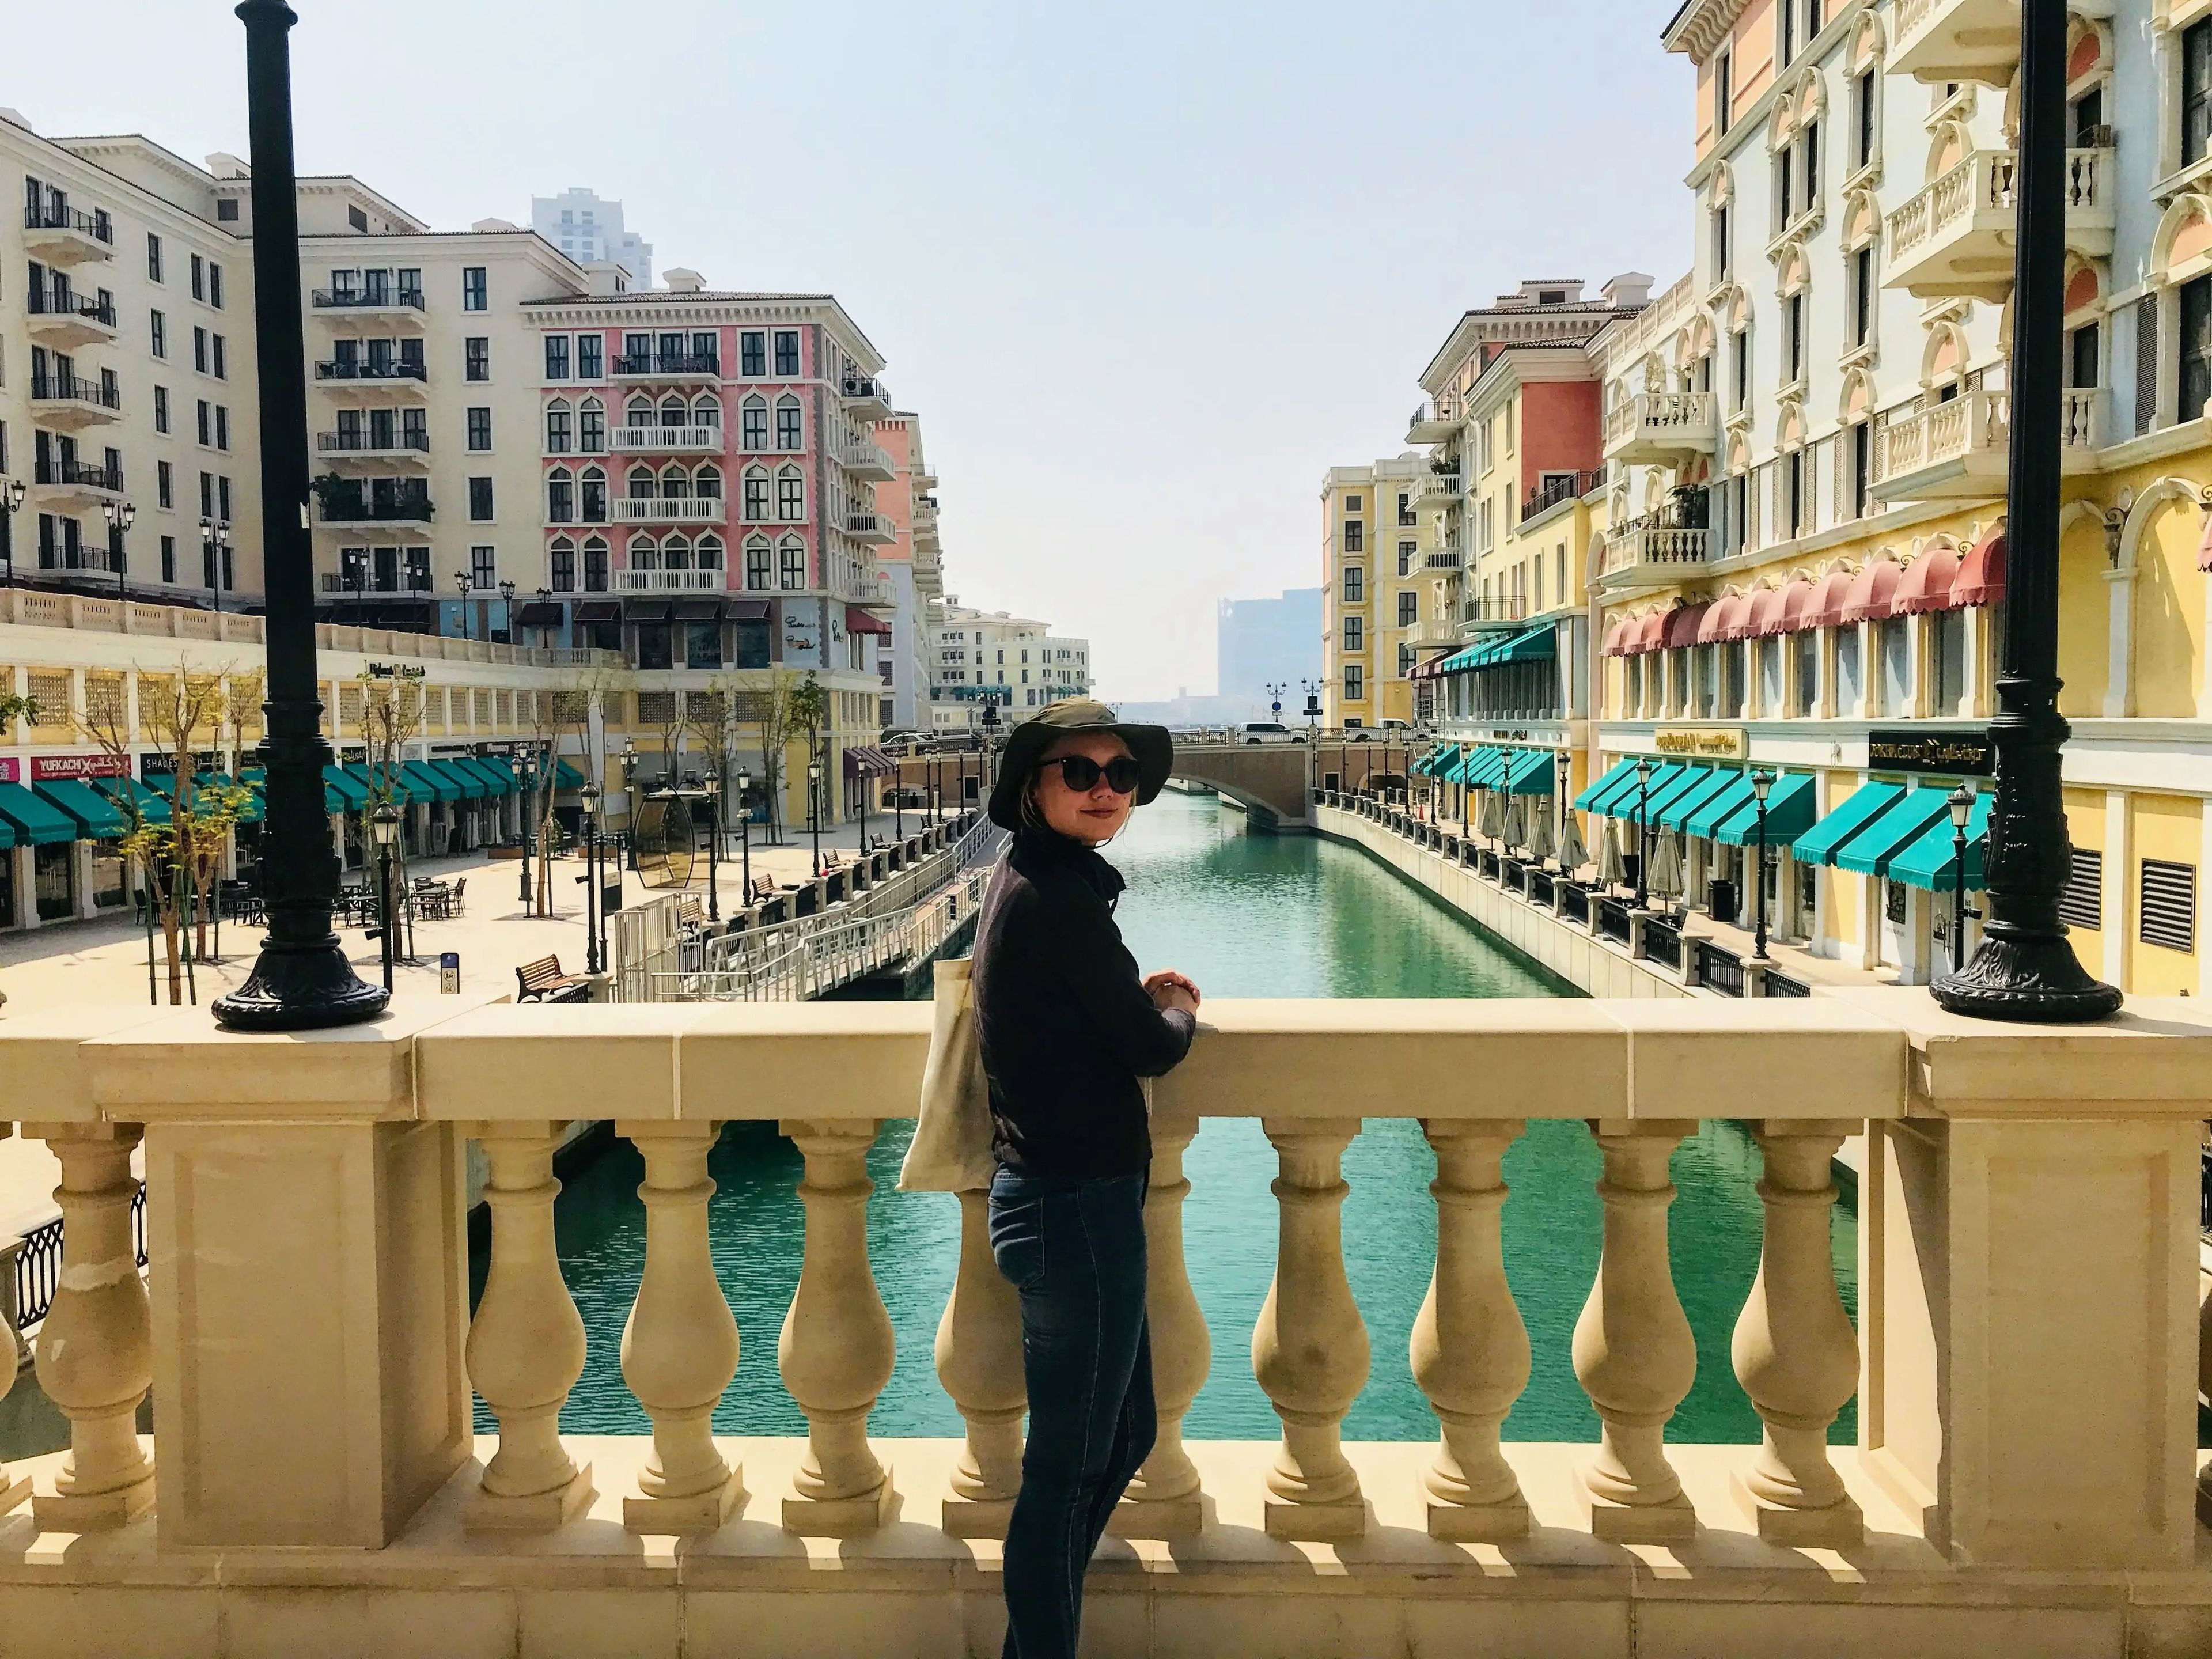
pixel 1981 578
pixel 1929 583
pixel 1682 625
pixel 1872 595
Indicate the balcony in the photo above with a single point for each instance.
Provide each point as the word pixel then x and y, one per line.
pixel 64 401
pixel 1450 556
pixel 1557 489
pixel 64 236
pixel 1957 450
pixel 397 452
pixel 348 307
pixel 1430 633
pixel 363 584
pixel 669 582
pixel 1433 424
pixel 1436 492
pixel 73 485
pixel 378 378
pixel 1657 549
pixel 925 517
pixel 1487 613
pixel 1662 428
pixel 665 440
pixel 2025 1458
pixel 669 509
pixel 674 367
pixel 66 321
pixel 1957 236
pixel 874 528
pixel 866 398
pixel 867 459
pixel 1939 41
pixel 349 509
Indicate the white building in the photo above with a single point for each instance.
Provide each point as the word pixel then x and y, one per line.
pixel 588 228
pixel 980 657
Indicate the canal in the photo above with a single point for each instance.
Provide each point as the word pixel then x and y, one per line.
pixel 1246 916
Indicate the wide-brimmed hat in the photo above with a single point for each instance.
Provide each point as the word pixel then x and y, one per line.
pixel 1151 746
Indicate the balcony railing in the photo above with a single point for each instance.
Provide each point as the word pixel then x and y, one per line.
pixel 669 509
pixel 665 440
pixel 1433 422
pixel 78 474
pixel 368 443
pixel 367 582
pixel 344 299
pixel 1956 237
pixel 867 398
pixel 670 581
pixel 1662 428
pixel 398 368
pixel 1657 545
pixel 95 308
pixel 873 527
pixel 869 460
pixel 1559 486
pixel 668 365
pixel 1448 557
pixel 410 507
pixel 1436 491
pixel 68 389
pixel 63 236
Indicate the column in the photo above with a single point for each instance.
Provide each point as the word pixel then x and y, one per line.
pixel 1164 1500
pixel 525 1345
pixel 1633 1352
pixel 1470 1349
pixel 679 1348
pixel 96 1357
pixel 1794 1350
pixel 979 1361
pixel 1309 1350
pixel 835 1353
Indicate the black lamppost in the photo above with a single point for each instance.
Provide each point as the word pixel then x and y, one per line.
pixel 301 981
pixel 2024 968
pixel 525 770
pixel 120 515
pixel 860 789
pixel 11 503
pixel 983 779
pixel 589 792
pixel 1962 802
pixel 507 602
pixel 746 828
pixel 214 551
pixel 1565 762
pixel 629 788
pixel 1761 781
pixel 714 849
pixel 461 581
pixel 1643 829
pixel 384 830
pixel 814 803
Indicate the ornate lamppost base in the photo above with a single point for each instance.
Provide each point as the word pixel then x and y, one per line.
pixel 2035 979
pixel 294 987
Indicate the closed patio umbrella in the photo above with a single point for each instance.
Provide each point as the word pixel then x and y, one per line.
pixel 1542 844
pixel 1610 869
pixel 1516 833
pixel 1665 880
pixel 1491 824
pixel 1572 854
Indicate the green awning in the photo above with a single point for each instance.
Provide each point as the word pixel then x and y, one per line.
pixel 36 821
pixel 427 785
pixel 1791 806
pixel 1870 851
pixel 342 792
pixel 1486 768
pixel 566 776
pixel 403 794
pixel 152 808
pixel 1454 765
pixel 1708 815
pixel 250 810
pixel 1425 766
pixel 1932 862
pixel 471 786
pixel 495 771
pixel 1819 844
pixel 1622 801
pixel 1622 772
pixel 7 834
pixel 1683 784
pixel 1528 772
pixel 1675 815
pixel 1536 645
pixel 95 815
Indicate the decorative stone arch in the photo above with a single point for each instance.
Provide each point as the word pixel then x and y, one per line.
pixel 1793 272
pixel 1655 489
pixel 1861 220
pixel 2181 246
pixel 1950 143
pixel 1859 397
pixel 1721 191
pixel 673 404
pixel 1739 452
pixel 1695 341
pixel 1944 356
pixel 1788 427
pixel 707 480
pixel 1733 307
pixel 705 409
pixel 2088 53
pixel 710 551
pixel 642 550
pixel 1803 97
pixel 1868 44
pixel 2124 694
pixel 639 404
pixel 2145 507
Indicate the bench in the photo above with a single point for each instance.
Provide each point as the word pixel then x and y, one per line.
pixel 690 914
pixel 541 981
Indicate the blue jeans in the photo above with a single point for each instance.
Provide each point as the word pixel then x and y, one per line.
pixel 1075 1251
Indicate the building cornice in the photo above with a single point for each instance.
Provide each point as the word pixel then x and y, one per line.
pixel 1700 26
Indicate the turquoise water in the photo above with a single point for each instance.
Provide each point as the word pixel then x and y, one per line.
pixel 1245 916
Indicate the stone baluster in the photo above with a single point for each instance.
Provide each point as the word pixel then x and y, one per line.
pixel 96 1351
pixel 979 1361
pixel 525 1345
pixel 679 1348
pixel 1470 1349
pixel 13 1488
pixel 836 1352
pixel 1633 1351
pixel 1794 1350
pixel 1310 1350
pixel 1164 1500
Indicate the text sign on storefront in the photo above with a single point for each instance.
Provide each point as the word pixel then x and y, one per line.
pixel 7 771
pixel 1959 754
pixel 79 766
pixel 1702 742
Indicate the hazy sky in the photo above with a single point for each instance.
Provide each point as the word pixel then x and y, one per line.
pixel 1145 270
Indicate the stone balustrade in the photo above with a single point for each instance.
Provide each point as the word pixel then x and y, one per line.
pixel 2024 1358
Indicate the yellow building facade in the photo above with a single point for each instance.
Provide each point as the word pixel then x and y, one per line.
pixel 1374 584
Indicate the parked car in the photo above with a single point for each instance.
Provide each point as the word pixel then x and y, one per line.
pixel 1268 732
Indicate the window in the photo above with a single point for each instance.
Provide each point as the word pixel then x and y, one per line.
pixel 1739 367
pixel 479 427
pixel 1355 689
pixel 595 565
pixel 477 355
pixel 161 409
pixel 557 356
pixel 562 564
pixel 199 277
pixel 152 257
pixel 1355 585
pixel 760 572
pixel 159 335
pixel 2167 917
pixel 556 429
pixel 1351 503
pixel 595 495
pixel 206 428
pixel 793 575
pixel 752 352
pixel 560 496
pixel 1894 641
pixel 787 352
pixel 1862 295
pixel 1406 514
pixel 222 369
pixel 200 349
pixel 1355 634
pixel 2081 900
pixel 475 292
pixel 1355 537
pixel 221 426
pixel 169 558
pixel 480 500
pixel 592 428
pixel 165 483
pixel 788 429
pixel 1405 661
pixel 2195 387
pixel 2084 361
pixel 1723 93
pixel 2196 91
pixel 1847 672
pixel 755 505
pixel 591 356
pixel 1862 469
pixel 1793 338
pixel 1723 244
pixel 1950 651
pixel 484 567
pixel 752 423
pixel 1788 24
pixel 214 284
pixel 1409 609
pixel 1863 107
pixel 1792 493
pixel 790 496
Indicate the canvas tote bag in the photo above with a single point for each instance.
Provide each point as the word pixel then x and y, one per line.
pixel 951 1152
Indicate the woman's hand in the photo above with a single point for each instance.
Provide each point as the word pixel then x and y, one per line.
pixel 1170 989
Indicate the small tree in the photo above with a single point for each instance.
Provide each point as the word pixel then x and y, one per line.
pixel 772 708
pixel 810 706
pixel 390 715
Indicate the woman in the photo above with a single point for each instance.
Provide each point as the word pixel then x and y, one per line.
pixel 1066 1029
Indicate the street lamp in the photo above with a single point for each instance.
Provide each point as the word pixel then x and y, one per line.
pixel 120 516
pixel 384 830
pixel 1565 764
pixel 2024 968
pixel 630 789
pixel 11 503
pixel 461 581
pixel 528 797
pixel 814 808
pixel 1761 781
pixel 1962 802
pixel 714 849
pixel 746 828
pixel 1642 830
pixel 589 792
pixel 507 601
pixel 302 980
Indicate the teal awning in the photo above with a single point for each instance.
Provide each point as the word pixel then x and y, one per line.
pixel 566 776
pixel 1870 851
pixel 497 772
pixel 1528 772
pixel 1932 862
pixel 403 794
pixel 1487 768
pixel 1455 768
pixel 95 815
pixel 1460 662
pixel 36 821
pixel 153 807
pixel 342 792
pixel 250 812
pixel 7 834
pixel 1791 806
pixel 1682 785
pixel 472 787
pixel 1536 645
pixel 428 786
pixel 1425 767
pixel 1819 844
pixel 1675 815
pixel 1622 772
pixel 1621 802
pixel 1709 814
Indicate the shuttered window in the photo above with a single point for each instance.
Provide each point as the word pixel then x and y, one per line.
pixel 2082 900
pixel 2146 364
pixel 2168 915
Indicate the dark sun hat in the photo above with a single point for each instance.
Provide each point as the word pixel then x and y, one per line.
pixel 1151 746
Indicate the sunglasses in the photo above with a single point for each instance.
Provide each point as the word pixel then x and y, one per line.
pixel 1081 773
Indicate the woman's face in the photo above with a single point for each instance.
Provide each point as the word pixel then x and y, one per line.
pixel 1094 816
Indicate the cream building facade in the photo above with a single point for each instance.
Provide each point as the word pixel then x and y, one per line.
pixel 1376 581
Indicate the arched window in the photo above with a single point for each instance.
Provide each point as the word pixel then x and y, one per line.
pixel 676 553
pixel 562 560
pixel 594 496
pixel 675 482
pixel 557 427
pixel 710 553
pixel 560 496
pixel 640 484
pixel 592 426
pixel 791 559
pixel 706 483
pixel 753 428
pixel 755 505
pixel 706 411
pixel 595 565
pixel 644 553
pixel 790 430
pixel 760 564
pixel 791 496
pixel 639 412
pixel 672 411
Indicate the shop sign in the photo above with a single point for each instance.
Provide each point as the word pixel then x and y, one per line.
pixel 1956 754
pixel 449 973
pixel 1703 742
pixel 802 636
pixel 79 766
pixel 7 771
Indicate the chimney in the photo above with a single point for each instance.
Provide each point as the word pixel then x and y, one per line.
pixel 1628 291
pixel 224 165
pixel 682 279
pixel 605 277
